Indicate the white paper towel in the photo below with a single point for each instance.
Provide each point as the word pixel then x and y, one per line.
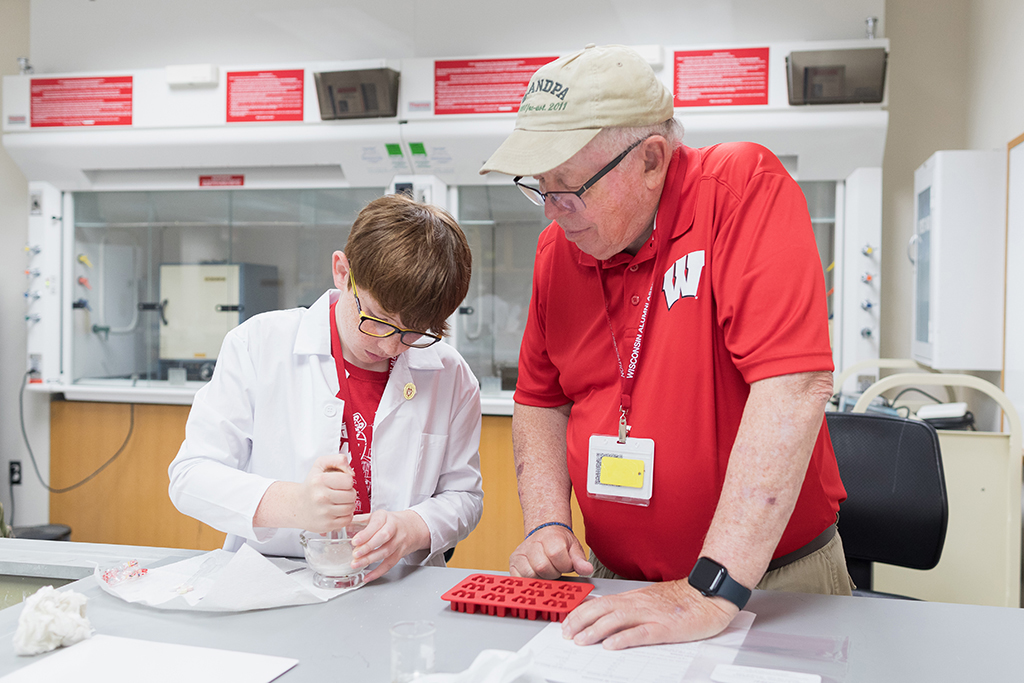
pixel 221 581
pixel 51 619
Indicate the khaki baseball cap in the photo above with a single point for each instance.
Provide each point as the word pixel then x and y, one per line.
pixel 571 99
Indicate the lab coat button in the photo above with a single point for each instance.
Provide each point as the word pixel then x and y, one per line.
pixel 330 411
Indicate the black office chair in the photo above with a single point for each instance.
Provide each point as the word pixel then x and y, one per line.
pixel 896 508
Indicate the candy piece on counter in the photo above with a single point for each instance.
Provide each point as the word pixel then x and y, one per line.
pixel 128 570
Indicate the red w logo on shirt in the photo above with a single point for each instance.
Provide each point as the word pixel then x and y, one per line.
pixel 683 277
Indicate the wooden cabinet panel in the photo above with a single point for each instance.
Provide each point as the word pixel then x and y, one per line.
pixel 127 502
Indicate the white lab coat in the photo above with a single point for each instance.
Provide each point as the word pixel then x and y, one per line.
pixel 271 410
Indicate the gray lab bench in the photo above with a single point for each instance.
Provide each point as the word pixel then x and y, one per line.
pixel 347 638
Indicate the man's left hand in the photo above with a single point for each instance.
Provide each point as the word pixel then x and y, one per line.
pixel 669 612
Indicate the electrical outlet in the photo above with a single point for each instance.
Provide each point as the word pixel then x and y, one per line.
pixel 15 471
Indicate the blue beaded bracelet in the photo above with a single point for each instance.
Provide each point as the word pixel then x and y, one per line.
pixel 548 524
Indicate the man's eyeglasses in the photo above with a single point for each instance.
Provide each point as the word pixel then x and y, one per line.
pixel 375 327
pixel 567 200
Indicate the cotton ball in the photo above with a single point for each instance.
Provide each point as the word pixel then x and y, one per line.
pixel 51 619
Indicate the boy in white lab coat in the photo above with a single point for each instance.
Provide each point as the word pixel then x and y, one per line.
pixel 360 367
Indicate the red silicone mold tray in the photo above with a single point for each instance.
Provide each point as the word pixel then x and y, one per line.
pixel 518 597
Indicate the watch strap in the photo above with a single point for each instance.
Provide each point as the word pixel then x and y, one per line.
pixel 732 591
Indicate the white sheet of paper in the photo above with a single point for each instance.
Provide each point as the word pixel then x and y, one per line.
pixel 563 661
pixel 728 673
pixel 222 581
pixel 102 659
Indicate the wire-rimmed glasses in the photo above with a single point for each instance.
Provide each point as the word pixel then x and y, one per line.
pixel 568 200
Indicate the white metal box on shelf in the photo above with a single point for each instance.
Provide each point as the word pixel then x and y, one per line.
pixel 202 303
pixel 957 252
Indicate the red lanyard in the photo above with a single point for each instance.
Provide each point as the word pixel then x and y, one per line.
pixel 345 395
pixel 627 375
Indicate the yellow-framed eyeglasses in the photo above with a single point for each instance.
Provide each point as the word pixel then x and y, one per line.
pixel 375 327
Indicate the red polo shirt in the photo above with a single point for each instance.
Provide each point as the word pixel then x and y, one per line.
pixel 739 296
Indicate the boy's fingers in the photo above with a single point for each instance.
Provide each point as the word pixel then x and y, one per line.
pixel 339 481
pixel 375 523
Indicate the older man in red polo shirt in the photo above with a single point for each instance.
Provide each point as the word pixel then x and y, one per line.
pixel 676 362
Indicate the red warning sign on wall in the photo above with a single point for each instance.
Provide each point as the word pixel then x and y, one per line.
pixel 718 78
pixel 100 101
pixel 265 95
pixel 221 180
pixel 483 86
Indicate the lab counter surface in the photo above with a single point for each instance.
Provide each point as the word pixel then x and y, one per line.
pixel 347 638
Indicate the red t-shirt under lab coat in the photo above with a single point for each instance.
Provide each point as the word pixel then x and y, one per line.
pixel 365 388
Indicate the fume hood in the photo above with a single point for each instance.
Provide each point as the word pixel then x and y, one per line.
pixel 192 181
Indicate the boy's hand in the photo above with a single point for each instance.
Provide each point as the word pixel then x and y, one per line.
pixel 387 538
pixel 328 497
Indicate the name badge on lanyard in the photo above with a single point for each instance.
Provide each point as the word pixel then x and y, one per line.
pixel 620 472
pixel 621 469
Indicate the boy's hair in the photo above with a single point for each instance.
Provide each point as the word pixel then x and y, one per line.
pixel 412 258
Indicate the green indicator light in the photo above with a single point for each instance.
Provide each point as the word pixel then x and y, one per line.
pixel 417 149
pixel 394 150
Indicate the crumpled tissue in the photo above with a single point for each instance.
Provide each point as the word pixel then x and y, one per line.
pixel 51 619
pixel 493 666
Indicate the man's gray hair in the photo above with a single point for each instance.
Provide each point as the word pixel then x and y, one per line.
pixel 615 138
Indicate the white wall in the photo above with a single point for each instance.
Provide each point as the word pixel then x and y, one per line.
pixel 32 504
pixel 73 35
pixel 997 79
pixel 928 108
pixel 995 91
pixel 996 88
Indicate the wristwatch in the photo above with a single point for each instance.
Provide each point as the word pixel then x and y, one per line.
pixel 712 579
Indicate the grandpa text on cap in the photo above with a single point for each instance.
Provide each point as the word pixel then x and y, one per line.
pixel 571 99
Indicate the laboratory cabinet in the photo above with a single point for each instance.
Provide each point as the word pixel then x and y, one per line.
pixel 957 254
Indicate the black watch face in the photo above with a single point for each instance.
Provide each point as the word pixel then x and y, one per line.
pixel 706 575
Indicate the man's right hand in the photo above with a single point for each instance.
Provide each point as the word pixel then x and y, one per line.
pixel 328 497
pixel 549 553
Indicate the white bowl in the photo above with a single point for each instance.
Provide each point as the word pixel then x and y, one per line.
pixel 331 561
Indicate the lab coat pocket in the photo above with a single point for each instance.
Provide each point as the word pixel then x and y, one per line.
pixel 429 465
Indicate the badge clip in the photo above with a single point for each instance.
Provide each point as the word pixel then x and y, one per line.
pixel 623 427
